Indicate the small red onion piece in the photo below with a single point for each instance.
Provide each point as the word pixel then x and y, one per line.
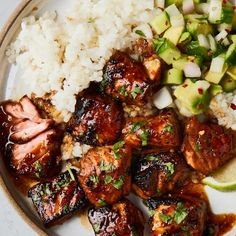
pixel 192 70
pixel 188 6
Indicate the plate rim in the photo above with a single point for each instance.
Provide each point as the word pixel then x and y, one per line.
pixel 3 186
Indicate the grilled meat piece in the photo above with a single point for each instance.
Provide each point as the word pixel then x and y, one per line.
pixel 206 146
pixel 159 173
pixel 39 158
pixel 121 219
pixel 57 199
pixel 162 131
pixel 178 216
pixel 126 80
pixel 97 120
pixel 105 173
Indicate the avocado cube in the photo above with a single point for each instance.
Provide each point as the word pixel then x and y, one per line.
pixel 180 63
pixel 173 76
pixel 215 89
pixel 228 84
pixel 232 72
pixel 231 54
pixel 160 23
pixel 178 3
pixel 194 96
pixel 215 78
pixel 232 37
pixel 173 34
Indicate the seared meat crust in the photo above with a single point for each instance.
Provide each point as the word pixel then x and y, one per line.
pixel 159 173
pixel 121 219
pixel 97 120
pixel 161 131
pixel 178 216
pixel 206 146
pixel 57 199
pixel 105 173
pixel 126 80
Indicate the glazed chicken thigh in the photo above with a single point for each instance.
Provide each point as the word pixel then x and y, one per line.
pixel 206 146
pixel 105 173
pixel 159 173
pixel 97 120
pixel 120 219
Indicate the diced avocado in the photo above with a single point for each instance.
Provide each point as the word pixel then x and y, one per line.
pixel 173 76
pixel 178 3
pixel 166 50
pixel 228 84
pixel 231 54
pixel 232 72
pixel 194 48
pixel 194 95
pixel 180 63
pixel 196 27
pixel 160 23
pixel 173 34
pixel 215 78
pixel 185 38
pixel 232 37
pixel 215 89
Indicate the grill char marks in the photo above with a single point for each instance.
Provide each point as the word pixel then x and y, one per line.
pixel 121 219
pixel 56 200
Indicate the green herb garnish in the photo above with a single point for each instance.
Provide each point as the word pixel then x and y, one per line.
pixel 151 158
pixel 94 179
pixel 116 149
pixel 136 126
pixel 170 168
pixel 123 91
pixel 66 208
pixel 136 91
pixel 102 202
pixel 108 179
pixel 106 167
pixel 119 183
pixel 96 228
pixel 144 137
pixel 180 213
pixel 168 128
pixel 198 147
pixel 140 32
pixel 70 172
pixel 165 218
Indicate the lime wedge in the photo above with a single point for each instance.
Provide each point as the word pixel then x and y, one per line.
pixel 223 179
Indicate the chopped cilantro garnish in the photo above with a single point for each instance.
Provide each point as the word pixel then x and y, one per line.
pixel 198 147
pixel 151 213
pixel 116 149
pixel 136 90
pixel 96 228
pixel 165 218
pixel 66 208
pixel 144 137
pixel 180 213
pixel 170 168
pixel 47 191
pixel 119 183
pixel 104 82
pixel 108 179
pixel 70 172
pixel 168 128
pixel 136 126
pixel 151 158
pixel 140 32
pixel 102 202
pixel 94 179
pixel 106 167
pixel 123 91
pixel 38 168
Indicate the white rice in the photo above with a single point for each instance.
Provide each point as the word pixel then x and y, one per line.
pixel 65 55
pixel 221 107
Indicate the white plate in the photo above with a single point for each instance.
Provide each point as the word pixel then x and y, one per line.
pixel 220 202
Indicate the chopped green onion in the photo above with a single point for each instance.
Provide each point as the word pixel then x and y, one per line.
pixel 70 172
pixel 140 32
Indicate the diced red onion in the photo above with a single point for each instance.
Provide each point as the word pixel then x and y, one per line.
pixel 192 70
pixel 162 98
pixel 203 41
pixel 188 6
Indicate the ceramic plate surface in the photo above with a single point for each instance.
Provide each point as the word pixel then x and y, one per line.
pixel 78 225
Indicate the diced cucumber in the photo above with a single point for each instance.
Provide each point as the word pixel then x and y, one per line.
pixel 160 23
pixel 232 72
pixel 215 11
pixel 173 76
pixel 215 89
pixel 215 78
pixel 231 54
pixel 194 95
pixel 228 83
pixel 173 34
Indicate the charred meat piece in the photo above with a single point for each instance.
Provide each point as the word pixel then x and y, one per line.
pixel 159 173
pixel 207 146
pixel 97 120
pixel 126 80
pixel 105 173
pixel 57 199
pixel 161 131
pixel 39 158
pixel 178 216
pixel 121 219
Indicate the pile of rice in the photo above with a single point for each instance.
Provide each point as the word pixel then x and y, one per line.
pixel 64 55
pixel 223 108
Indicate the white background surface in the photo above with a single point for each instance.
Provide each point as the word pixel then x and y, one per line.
pixel 10 222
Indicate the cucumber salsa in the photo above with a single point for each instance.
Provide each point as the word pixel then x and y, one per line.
pixel 197 41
